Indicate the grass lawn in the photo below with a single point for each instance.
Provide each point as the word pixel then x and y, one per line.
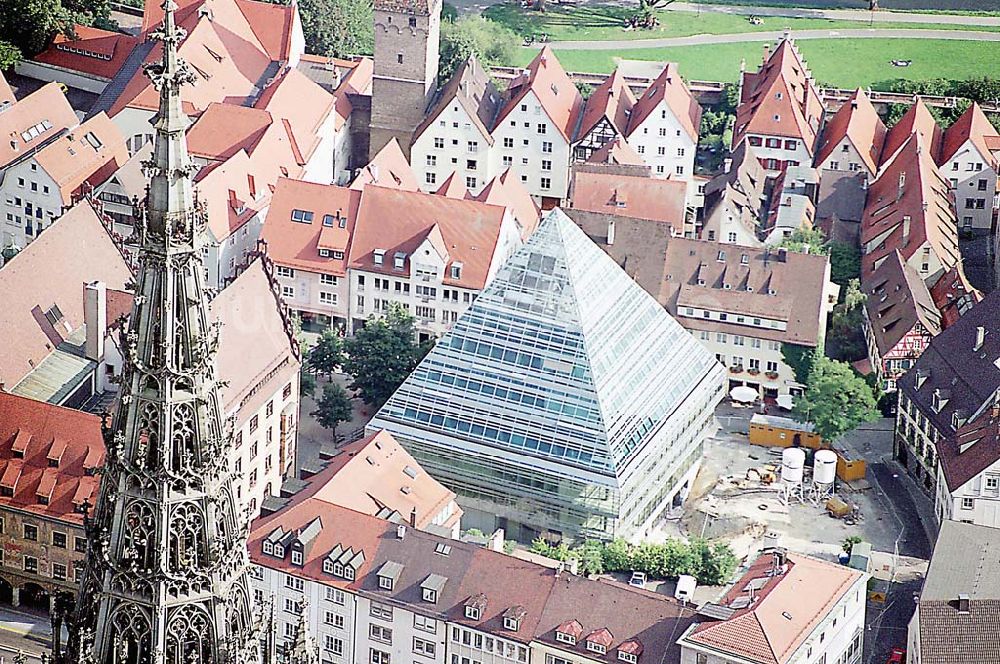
pixel 844 63
pixel 943 6
pixel 593 22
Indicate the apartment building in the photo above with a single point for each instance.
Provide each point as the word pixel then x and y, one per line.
pixel 953 383
pixel 780 109
pixel 766 617
pixel 663 128
pixel 535 127
pixel 454 140
pixel 383 592
pixel 307 234
pixel 605 116
pixel 734 200
pixel 909 208
pixel 852 138
pixel 970 165
pixel 433 259
pixel 900 319
pixel 50 457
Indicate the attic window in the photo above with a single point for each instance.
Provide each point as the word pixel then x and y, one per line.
pixel 442 548
pixel 554 89
pixel 324 253
pixel 456 270
pixel 338 255
pixel 563 637
pixel 328 220
pixel 721 257
pixel 596 647
pixel 302 216
pixel 510 623
pixel 627 657
pixel 297 558
pixel 744 259
pixel 398 260
pixel 431 588
pixel 379 256
pixel 93 140
pixel 279 551
pixel 472 612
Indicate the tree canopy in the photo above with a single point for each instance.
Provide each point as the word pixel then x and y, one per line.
pixel 328 353
pixel 28 26
pixel 836 399
pixel 806 240
pixel 491 42
pixel 382 354
pixel 338 28
pixel 333 407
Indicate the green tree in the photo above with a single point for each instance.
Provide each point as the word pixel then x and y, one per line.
pixel 382 354
pixel 327 354
pixel 799 358
pixel 491 43
pixel 333 407
pixel 806 241
pixel 338 28
pixel 847 324
pixel 10 55
pixel 591 557
pixel 307 384
pixel 845 263
pixel 30 25
pixel 617 556
pixel 836 399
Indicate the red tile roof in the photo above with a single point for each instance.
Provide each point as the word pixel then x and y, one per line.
pixel 469 231
pixel 89 153
pixel 376 473
pixel 780 99
pixel 47 434
pixel 953 295
pixel 388 168
pixel 222 48
pixel 273 25
pixel 472 88
pixel 506 189
pixel 224 129
pixel 858 122
pixel 555 92
pixel 973 125
pixel 970 450
pixel 33 120
pixel 296 245
pixel 917 119
pixel 6 92
pixel 502 585
pixel 630 196
pixel 453 187
pixel 613 100
pixel 781 616
pixel 898 300
pixel 909 204
pixel 616 151
pixel 302 104
pixel 93 52
pixel 51 271
pixel 669 87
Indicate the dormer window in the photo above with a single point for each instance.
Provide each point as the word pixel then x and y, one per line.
pixel 513 616
pixel 297 558
pixel 562 637
pixel 627 657
pixel 388 574
pixel 328 220
pixel 302 216
pixel 379 256
pixel 324 253
pixel 472 613
pixel 629 651
pixel 475 606
pixel 398 260
pixel 385 583
pixel 339 255
pixel 569 632
pixel 279 551
pixel 431 588
pixel 596 647
pixel 268 548
pixel 456 270
pixel 511 624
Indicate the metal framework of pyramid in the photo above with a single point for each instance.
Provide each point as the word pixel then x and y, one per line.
pixel 565 399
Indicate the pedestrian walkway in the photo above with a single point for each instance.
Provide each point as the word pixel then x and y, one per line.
pixel 839 14
pixel 697 40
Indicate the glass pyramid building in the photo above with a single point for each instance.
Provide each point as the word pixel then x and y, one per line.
pixel 565 400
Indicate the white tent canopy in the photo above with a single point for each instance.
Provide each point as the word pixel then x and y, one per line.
pixel 744 394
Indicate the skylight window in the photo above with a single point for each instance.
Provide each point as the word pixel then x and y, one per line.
pixel 302 216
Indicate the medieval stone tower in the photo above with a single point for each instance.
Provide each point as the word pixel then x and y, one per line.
pixel 407 36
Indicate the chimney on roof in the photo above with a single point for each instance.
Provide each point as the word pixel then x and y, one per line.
pixel 902 184
pixel 373 169
pixel 727 164
pixel 400 531
pixel 496 541
pixel 963 603
pixel 854 104
pixel 95 318
pixel 413 516
pixel 906 229
pixel 980 337
pixel 611 231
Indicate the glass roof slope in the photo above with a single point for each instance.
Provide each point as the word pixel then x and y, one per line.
pixel 563 357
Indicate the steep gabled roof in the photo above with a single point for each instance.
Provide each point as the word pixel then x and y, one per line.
pixel 506 189
pixel 973 125
pixel 618 152
pixel 388 168
pixel 857 121
pixel 554 90
pixel 953 295
pixel 653 199
pixel 94 51
pixel 780 99
pixel 472 88
pixel 613 100
pixel 917 119
pixel 669 87
pixel 970 450
pixel 302 105
pixel 909 204
pixel 897 300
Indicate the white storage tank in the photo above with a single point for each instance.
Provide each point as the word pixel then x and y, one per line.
pixel 825 467
pixel 686 585
pixel 793 462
